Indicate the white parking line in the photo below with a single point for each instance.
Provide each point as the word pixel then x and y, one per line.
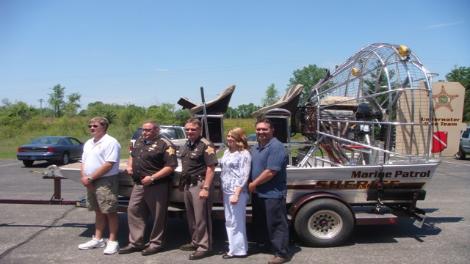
pixel 9 164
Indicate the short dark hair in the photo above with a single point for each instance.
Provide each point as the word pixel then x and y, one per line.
pixel 153 122
pixel 194 121
pixel 264 120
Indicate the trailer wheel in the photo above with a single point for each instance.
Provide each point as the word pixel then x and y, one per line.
pixel 324 222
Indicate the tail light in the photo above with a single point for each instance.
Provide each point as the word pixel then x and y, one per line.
pixel 20 149
pixel 50 149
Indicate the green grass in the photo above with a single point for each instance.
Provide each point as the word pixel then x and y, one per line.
pixel 12 137
pixel 36 127
pixel 248 124
pixel 77 127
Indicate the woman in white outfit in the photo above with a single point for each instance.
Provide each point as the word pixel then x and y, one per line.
pixel 235 163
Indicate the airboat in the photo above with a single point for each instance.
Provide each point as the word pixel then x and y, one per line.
pixel 368 151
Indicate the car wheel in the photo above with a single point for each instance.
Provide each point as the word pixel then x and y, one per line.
pixel 324 223
pixel 460 155
pixel 65 159
pixel 28 163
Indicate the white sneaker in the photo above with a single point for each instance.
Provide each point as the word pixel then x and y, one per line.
pixel 93 243
pixel 112 247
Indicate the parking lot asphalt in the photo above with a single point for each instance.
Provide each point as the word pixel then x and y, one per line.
pixel 51 233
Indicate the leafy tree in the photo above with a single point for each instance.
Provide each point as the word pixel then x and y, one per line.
pixel 245 110
pixel 163 113
pixel 131 115
pixel 13 116
pixel 166 114
pixel 56 99
pixel 59 105
pixel 231 113
pixel 72 104
pixel 100 109
pixel 307 76
pixel 271 95
pixel 182 116
pixel 462 75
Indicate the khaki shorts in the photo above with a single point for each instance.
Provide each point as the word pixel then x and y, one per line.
pixel 105 195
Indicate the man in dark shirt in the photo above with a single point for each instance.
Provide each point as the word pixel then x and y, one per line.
pixel 269 189
pixel 151 162
pixel 198 160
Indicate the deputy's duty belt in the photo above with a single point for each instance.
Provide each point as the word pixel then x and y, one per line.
pixel 187 181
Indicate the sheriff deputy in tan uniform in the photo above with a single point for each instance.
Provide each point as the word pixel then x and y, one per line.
pixel 151 162
pixel 199 160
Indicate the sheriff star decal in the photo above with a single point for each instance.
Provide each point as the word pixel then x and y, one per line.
pixel 171 151
pixel 210 150
pixel 444 99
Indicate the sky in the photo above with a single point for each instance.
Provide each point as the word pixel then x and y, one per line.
pixel 153 52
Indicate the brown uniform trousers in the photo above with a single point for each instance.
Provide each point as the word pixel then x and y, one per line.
pixel 148 200
pixel 198 212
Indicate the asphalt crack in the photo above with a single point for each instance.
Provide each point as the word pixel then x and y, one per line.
pixel 31 237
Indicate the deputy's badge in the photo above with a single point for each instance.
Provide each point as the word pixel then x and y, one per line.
pixel 171 151
pixel 153 146
pixel 210 150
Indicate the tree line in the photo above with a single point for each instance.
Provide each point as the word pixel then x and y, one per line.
pixel 62 105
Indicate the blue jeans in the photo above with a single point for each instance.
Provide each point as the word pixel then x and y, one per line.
pixel 271 225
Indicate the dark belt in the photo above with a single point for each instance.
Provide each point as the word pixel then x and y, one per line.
pixel 187 181
pixel 196 178
pixel 157 181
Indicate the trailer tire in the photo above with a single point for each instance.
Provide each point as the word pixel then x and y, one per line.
pixel 324 223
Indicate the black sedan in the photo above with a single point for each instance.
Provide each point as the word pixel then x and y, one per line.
pixel 55 149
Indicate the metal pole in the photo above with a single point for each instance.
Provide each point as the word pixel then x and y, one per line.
pixel 204 117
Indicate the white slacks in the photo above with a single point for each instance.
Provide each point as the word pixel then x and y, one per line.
pixel 235 224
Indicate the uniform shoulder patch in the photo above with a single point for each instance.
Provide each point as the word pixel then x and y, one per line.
pixel 210 150
pixel 171 151
pixel 205 141
pixel 168 142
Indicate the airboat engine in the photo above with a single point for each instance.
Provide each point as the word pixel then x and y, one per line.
pixel 369 111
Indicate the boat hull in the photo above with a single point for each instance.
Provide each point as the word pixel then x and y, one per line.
pixel 352 184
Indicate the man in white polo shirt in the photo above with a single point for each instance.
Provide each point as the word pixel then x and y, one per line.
pixel 99 174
